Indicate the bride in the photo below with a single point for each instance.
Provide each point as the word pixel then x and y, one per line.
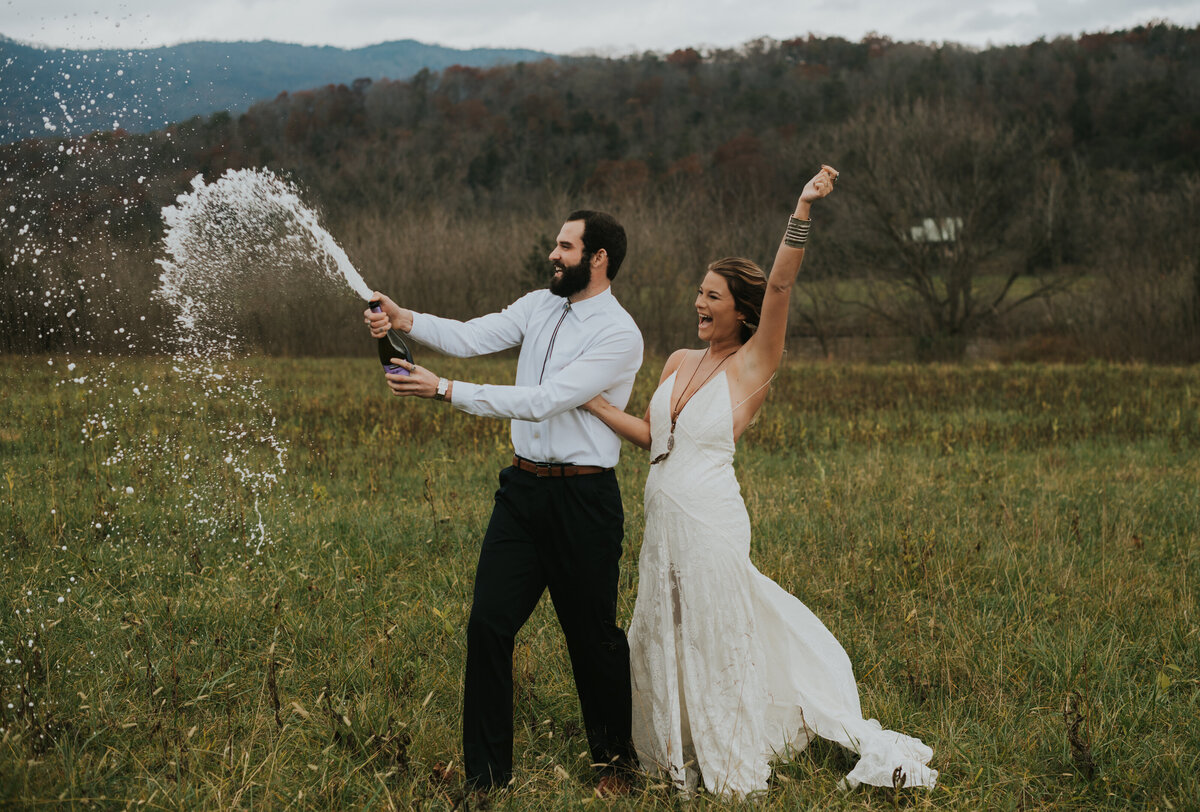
pixel 728 669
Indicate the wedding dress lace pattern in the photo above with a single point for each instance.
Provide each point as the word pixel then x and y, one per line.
pixel 730 670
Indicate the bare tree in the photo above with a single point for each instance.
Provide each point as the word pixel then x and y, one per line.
pixel 935 214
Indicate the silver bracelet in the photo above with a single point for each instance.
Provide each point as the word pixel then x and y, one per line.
pixel 797 232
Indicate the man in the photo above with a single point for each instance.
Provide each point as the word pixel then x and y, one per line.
pixel 557 520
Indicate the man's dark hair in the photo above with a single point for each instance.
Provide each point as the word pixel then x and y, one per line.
pixel 602 230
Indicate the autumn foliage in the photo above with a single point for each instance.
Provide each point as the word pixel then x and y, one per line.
pixel 701 152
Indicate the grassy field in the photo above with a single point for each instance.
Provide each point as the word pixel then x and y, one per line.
pixel 1010 555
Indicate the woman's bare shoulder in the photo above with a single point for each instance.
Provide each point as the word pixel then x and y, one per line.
pixel 674 361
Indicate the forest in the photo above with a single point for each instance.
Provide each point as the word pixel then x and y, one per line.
pixel 1032 202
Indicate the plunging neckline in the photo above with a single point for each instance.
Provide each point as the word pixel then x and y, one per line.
pixel 673 378
pixel 693 426
pixel 733 407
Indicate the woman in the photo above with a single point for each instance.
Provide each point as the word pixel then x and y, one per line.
pixel 728 669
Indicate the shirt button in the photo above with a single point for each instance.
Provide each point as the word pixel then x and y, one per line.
pixel 537 435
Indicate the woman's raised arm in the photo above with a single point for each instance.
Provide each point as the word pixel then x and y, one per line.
pixel 763 352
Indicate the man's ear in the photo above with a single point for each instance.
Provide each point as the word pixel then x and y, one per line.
pixel 599 256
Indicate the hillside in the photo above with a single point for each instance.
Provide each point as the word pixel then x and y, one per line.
pixel 48 92
pixel 1069 165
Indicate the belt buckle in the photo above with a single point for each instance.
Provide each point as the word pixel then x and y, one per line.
pixel 543 469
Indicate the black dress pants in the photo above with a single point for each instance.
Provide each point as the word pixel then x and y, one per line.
pixel 563 533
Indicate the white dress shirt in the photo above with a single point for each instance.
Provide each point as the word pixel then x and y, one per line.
pixel 597 350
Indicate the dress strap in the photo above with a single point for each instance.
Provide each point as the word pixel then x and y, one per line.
pixel 743 401
pixel 752 394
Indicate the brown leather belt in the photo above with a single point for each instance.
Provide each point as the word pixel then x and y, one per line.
pixel 556 468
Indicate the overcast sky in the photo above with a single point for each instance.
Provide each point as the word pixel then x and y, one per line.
pixel 610 27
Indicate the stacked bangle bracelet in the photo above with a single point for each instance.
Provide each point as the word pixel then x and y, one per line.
pixel 797 232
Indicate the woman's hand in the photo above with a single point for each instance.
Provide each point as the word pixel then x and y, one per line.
pixel 820 185
pixel 596 405
pixel 625 426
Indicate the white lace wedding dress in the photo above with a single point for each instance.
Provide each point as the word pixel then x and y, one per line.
pixel 730 670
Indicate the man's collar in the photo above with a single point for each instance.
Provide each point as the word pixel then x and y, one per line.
pixel 594 304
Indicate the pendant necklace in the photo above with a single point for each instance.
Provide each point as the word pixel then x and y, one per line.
pixel 684 399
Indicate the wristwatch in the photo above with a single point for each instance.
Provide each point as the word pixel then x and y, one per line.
pixel 443 387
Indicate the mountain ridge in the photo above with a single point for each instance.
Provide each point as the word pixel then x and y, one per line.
pixel 62 91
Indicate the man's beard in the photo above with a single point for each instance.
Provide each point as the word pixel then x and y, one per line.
pixel 574 278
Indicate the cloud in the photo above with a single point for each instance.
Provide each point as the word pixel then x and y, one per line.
pixel 617 26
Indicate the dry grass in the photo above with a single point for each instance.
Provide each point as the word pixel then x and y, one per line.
pixel 1008 554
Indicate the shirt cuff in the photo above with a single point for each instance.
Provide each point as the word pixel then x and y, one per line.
pixel 464 396
pixel 415 331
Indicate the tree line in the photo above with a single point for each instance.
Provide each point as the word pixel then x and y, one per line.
pixel 1040 197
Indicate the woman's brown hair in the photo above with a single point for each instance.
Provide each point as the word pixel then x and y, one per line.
pixel 747 284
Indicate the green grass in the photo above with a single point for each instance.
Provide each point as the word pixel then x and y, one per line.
pixel 986 541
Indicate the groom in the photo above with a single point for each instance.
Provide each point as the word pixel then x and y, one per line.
pixel 557 522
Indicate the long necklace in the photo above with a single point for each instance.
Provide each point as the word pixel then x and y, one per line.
pixel 554 335
pixel 685 398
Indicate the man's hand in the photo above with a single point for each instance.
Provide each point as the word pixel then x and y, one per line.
pixel 392 316
pixel 419 382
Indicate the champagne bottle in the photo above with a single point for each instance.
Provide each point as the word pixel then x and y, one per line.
pixel 392 346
